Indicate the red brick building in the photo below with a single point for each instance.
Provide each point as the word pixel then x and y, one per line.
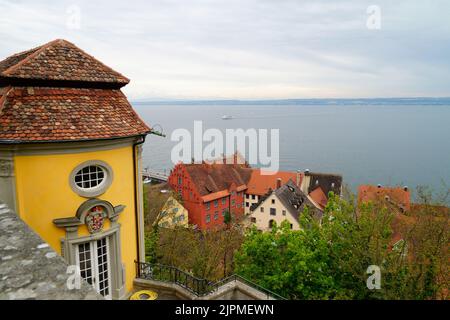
pixel 209 190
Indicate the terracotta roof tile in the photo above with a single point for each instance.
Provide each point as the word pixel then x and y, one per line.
pixel 212 178
pixel 260 184
pixel 59 60
pixel 57 92
pixel 15 59
pixel 58 114
pixel 397 195
pixel 319 197
pixel 215 195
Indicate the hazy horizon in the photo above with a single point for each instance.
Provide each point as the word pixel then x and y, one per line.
pixel 404 100
pixel 255 49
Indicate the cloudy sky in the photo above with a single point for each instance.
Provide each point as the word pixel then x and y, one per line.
pixel 249 49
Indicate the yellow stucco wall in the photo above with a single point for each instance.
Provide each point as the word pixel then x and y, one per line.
pixel 44 194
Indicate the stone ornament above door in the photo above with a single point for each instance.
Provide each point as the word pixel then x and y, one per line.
pixel 92 213
pixel 95 219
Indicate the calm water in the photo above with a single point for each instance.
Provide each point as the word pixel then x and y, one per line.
pixel 387 144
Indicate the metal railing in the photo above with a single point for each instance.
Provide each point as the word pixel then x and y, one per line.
pixel 197 286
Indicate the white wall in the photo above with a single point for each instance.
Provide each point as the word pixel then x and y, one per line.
pixel 250 200
pixel 263 218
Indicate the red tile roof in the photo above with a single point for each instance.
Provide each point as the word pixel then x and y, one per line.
pixel 59 60
pixel 396 195
pixel 59 114
pixel 57 92
pixel 215 195
pixel 212 178
pixel 319 197
pixel 260 184
pixel 15 59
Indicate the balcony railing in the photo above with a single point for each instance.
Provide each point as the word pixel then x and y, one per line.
pixel 197 286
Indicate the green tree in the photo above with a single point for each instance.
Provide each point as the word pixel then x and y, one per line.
pixel 152 245
pixel 328 259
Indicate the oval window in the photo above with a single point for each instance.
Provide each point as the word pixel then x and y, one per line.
pixel 91 178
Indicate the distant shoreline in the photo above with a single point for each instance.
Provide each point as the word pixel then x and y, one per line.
pixel 340 101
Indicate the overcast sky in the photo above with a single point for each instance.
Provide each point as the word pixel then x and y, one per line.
pixel 248 49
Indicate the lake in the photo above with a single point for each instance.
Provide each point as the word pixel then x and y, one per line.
pixel 367 144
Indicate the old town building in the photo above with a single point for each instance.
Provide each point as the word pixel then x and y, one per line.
pixel 172 214
pixel 211 188
pixel 260 184
pixel 285 203
pixel 319 185
pixel 70 147
pixel 209 191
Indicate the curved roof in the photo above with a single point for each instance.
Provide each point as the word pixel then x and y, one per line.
pixel 59 60
pixel 57 92
pixel 67 114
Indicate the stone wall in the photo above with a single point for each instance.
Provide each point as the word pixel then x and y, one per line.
pixel 29 268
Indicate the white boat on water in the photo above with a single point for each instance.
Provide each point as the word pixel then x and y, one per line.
pixel 147 180
pixel 227 117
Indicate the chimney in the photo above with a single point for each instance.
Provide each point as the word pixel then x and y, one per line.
pixel 305 182
pixel 235 158
pixel 298 178
pixel 224 158
pixel 278 183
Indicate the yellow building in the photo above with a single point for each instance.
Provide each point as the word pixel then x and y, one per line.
pixel 172 214
pixel 70 149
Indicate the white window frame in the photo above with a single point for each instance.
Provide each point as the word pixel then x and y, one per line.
pixel 94 264
pixel 94 191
